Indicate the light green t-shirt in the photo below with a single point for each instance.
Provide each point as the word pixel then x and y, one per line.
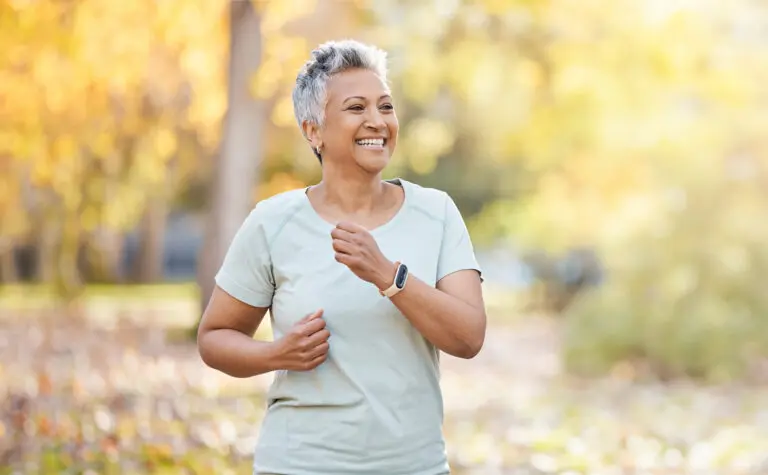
pixel 375 405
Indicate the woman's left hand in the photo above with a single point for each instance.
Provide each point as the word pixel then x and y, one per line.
pixel 357 249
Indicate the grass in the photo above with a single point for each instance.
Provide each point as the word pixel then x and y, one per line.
pixel 29 294
pixel 176 303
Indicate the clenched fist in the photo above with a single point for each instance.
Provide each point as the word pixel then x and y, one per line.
pixel 305 346
pixel 357 249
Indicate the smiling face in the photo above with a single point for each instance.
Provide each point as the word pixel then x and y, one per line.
pixel 360 122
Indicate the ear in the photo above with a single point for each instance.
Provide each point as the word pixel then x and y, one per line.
pixel 311 133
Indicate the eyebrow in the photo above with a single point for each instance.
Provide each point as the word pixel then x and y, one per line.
pixel 385 96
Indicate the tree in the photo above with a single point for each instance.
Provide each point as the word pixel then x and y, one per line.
pixel 242 146
pixel 101 126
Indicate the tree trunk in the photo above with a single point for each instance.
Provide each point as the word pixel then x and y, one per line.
pixel 68 281
pixel 241 148
pixel 46 248
pixel 115 245
pixel 8 272
pixel 105 256
pixel 149 264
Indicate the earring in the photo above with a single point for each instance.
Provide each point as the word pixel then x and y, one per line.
pixel 317 149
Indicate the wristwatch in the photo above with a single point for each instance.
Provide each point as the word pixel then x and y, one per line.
pixel 401 275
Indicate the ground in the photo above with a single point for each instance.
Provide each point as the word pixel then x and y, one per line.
pixel 111 395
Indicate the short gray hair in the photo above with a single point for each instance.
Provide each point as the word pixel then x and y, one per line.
pixel 332 57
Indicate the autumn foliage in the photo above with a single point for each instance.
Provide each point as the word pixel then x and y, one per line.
pixel 634 129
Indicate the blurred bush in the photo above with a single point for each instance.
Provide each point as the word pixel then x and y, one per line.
pixel 686 295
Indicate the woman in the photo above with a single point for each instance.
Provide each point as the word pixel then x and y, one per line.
pixel 366 279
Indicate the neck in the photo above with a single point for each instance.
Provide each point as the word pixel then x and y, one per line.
pixel 350 192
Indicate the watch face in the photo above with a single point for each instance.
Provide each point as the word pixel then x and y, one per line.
pixel 402 273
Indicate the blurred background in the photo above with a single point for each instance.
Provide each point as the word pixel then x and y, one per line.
pixel 610 158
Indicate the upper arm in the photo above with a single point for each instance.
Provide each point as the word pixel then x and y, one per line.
pixel 458 272
pixel 466 286
pixel 225 311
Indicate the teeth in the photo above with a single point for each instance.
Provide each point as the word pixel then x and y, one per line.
pixel 371 142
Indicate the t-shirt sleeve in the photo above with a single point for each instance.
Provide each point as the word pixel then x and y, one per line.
pixel 456 250
pixel 246 273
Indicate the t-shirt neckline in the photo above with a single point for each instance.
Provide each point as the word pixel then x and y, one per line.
pixel 378 229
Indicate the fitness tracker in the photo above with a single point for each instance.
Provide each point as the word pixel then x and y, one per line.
pixel 401 276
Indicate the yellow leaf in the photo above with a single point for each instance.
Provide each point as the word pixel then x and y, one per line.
pixel 89 219
pixel 267 79
pixel 65 148
pixel 282 114
pixel 276 14
pixel 6 192
pixel 498 7
pixel 103 144
pixel 279 183
pixel 208 108
pixel 41 174
pixel 164 143
pixel 426 140
pixel 422 76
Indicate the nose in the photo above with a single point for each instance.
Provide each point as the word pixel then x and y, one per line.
pixel 375 120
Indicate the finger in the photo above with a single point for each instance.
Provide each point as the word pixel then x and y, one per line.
pixel 346 259
pixel 311 316
pixel 343 235
pixel 343 247
pixel 313 326
pixel 318 338
pixel 319 350
pixel 314 363
pixel 350 227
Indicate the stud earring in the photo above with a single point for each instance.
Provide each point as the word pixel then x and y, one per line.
pixel 317 149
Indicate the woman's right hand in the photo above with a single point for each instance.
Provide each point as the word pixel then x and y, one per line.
pixel 305 346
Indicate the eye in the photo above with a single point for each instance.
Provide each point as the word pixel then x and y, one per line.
pixel 356 107
pixel 387 107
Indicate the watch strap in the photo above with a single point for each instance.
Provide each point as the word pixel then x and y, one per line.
pixel 393 289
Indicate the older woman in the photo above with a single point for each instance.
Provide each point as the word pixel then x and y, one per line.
pixel 366 280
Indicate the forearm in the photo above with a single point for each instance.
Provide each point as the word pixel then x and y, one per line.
pixel 450 324
pixel 237 354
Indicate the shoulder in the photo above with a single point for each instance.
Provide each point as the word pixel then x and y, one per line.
pixel 432 202
pixel 270 214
